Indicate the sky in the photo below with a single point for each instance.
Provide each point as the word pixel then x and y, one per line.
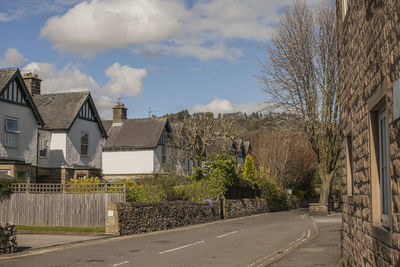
pixel 154 55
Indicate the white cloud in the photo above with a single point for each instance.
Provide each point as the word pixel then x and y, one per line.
pixel 221 105
pixel 104 105
pixel 101 25
pixel 158 27
pixel 70 78
pixel 12 57
pixel 124 80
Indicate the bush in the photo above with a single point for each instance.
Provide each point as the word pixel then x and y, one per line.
pixel 91 180
pixel 250 172
pixel 5 187
pixel 145 193
pixel 273 193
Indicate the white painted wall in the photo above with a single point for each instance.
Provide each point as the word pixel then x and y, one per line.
pixel 27 139
pixel 73 144
pixel 128 162
pixel 58 150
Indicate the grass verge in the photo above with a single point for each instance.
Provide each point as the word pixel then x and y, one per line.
pixel 61 229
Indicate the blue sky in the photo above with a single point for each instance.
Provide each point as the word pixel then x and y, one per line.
pixel 166 55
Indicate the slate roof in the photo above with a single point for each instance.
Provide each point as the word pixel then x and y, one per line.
pixel 6 75
pixel 60 110
pixel 134 133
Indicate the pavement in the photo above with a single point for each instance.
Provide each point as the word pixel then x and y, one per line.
pixel 275 239
pixel 39 241
pixel 322 250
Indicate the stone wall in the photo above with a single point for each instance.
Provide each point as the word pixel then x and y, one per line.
pixel 369 56
pixel 8 239
pixel 244 207
pixel 134 218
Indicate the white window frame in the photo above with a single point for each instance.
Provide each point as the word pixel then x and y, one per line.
pixel 11 133
pixel 384 178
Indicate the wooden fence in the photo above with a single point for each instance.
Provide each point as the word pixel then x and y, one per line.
pixel 60 205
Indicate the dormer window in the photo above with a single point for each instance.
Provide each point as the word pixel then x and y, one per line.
pixel 11 132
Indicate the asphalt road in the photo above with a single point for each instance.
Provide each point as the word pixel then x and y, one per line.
pixel 248 241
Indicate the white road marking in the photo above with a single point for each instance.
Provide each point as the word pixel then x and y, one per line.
pixel 170 250
pixel 230 233
pixel 118 264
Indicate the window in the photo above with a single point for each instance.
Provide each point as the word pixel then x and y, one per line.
pixel 380 178
pixel 23 176
pixel 349 163
pixel 12 131
pixel 4 173
pixel 80 176
pixel 84 144
pixel 43 147
pixel 383 168
pixel 163 154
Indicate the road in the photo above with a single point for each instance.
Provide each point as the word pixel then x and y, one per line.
pixel 248 241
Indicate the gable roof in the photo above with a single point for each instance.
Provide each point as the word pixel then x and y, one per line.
pixel 7 76
pixel 60 110
pixel 135 133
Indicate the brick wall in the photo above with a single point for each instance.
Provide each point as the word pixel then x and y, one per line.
pixel 369 62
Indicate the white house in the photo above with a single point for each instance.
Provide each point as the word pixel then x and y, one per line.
pixel 135 148
pixel 70 142
pixel 19 119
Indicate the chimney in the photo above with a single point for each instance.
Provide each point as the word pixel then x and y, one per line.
pixel 32 82
pixel 119 113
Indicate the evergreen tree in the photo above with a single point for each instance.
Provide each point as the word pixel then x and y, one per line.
pixel 250 171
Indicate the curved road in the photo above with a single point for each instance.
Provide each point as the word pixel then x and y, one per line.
pixel 247 241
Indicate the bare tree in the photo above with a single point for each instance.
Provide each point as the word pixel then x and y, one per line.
pixel 300 75
pixel 192 137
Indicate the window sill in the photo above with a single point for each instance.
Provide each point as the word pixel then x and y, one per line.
pixel 11 147
pixel 382 234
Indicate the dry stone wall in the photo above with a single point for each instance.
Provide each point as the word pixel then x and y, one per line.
pixel 245 207
pixel 8 239
pixel 134 218
pixel 369 64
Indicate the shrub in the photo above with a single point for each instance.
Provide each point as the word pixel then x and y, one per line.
pixel 91 180
pixel 250 172
pixel 145 193
pixel 5 187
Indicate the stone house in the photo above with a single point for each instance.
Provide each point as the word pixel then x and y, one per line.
pixel 20 120
pixel 369 91
pixel 135 148
pixel 70 142
pixel 232 146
